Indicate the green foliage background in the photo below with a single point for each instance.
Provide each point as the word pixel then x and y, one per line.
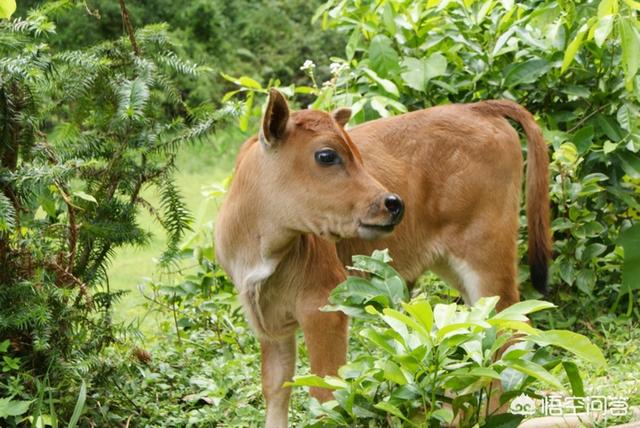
pixel 74 97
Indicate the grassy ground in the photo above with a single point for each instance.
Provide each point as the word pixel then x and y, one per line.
pixel 198 167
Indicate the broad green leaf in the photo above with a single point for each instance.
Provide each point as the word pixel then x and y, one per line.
pixel 378 339
pixel 575 343
pixel 630 43
pixel 603 29
pixel 607 7
pixel 630 241
pixel 393 373
pixel 353 44
pixel 388 18
pixel 314 381
pixel 534 370
pixel 503 420
pixel 385 84
pixel 383 58
pixel 630 164
pixel 627 117
pixel 249 82
pixel 7 7
pixel 518 311
pixel 444 414
pixel 633 4
pixel 573 48
pixel 409 322
pixel 420 71
pixel 9 407
pixel 444 314
pixel 444 331
pixel 485 372
pixel 85 196
pixel 390 408
pixel 526 72
pixel 243 122
pixel 583 138
pixel 421 311
pixel 520 326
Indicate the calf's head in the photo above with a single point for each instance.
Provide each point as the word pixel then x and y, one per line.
pixel 315 177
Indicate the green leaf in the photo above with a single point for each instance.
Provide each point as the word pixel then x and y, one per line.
pixel 420 71
pixel 7 7
pixel 421 311
pixel 243 121
pixel 630 164
pixel 378 339
pixel 592 251
pixel 407 321
pixel 630 241
pixel 609 127
pixel 383 58
pixel 503 420
pixel 390 408
pixel 575 343
pixel 388 18
pixel 607 7
pixel 518 311
pixel 573 374
pixel 534 370
pixel 77 411
pixel 627 117
pixel 393 373
pixel 526 72
pixel 9 407
pixel 385 84
pixel 609 147
pixel 317 382
pixel 583 138
pixel 573 48
pixel 249 82
pixel 444 414
pixel 603 29
pixel 85 196
pixel 630 43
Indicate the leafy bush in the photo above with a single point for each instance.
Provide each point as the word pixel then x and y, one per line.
pixel 425 366
pixel 573 64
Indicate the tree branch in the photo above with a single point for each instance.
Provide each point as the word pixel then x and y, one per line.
pixel 128 27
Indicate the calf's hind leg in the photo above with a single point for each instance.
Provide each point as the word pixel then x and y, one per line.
pixel 278 366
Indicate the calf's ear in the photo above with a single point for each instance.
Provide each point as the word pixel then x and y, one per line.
pixel 342 115
pixel 274 120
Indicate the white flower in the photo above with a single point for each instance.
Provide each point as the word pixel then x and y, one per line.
pixel 308 65
pixel 337 67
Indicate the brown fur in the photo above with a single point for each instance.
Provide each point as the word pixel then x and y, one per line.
pixel 289 225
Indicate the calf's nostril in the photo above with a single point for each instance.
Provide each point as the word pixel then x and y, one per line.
pixel 394 204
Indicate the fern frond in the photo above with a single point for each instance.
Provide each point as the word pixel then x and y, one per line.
pixel 132 99
pixel 7 214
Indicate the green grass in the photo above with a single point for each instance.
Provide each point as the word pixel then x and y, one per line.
pixel 198 166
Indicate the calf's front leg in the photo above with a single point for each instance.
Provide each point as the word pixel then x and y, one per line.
pixel 325 334
pixel 278 366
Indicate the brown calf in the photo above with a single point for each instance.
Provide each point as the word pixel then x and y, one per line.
pixel 307 195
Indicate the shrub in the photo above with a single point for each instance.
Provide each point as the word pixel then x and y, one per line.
pixel 425 366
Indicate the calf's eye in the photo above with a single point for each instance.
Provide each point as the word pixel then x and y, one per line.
pixel 326 157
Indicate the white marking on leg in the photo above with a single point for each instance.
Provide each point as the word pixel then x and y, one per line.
pixel 470 280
